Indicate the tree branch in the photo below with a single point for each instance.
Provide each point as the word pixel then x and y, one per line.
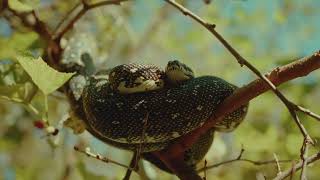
pixel 242 61
pixel 298 166
pixel 85 7
pixel 31 20
pixel 178 166
pixel 101 158
pixel 242 96
pixel 240 159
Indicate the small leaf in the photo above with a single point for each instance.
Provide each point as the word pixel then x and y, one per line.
pixel 19 6
pixel 45 77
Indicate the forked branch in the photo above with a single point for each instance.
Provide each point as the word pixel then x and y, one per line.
pixel 242 61
pixel 241 96
pixel 85 8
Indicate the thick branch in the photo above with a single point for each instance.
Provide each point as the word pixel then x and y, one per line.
pixel 243 95
pixel 242 61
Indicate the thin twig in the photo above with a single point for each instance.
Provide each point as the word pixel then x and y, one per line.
pixel 137 154
pixel 37 25
pixel 205 169
pixel 298 166
pixel 144 128
pixel 66 17
pixel 242 61
pixel 257 163
pixel 293 170
pixel 101 158
pixel 85 7
pixel 132 165
pixel 241 96
pixel 277 162
pixel 240 159
pixel 304 155
pixel 67 172
pixel 308 112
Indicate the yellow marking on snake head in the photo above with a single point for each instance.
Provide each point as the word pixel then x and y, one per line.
pixel 178 72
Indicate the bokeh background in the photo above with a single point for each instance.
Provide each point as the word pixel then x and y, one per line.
pixel 267 33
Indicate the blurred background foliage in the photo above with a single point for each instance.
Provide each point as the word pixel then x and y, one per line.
pixel 268 33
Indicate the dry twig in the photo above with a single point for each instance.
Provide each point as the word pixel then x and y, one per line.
pixel 277 162
pixel 137 154
pixel 101 158
pixel 298 166
pixel 240 159
pixel 242 61
pixel 85 7
pixel 268 82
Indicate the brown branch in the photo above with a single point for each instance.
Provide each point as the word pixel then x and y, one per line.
pixel 258 163
pixel 103 159
pixel 137 154
pixel 304 155
pixel 240 159
pixel 205 169
pixel 35 24
pixel 133 165
pixel 3 5
pixel 32 21
pixel 178 166
pixel 242 96
pixel 298 166
pixel 66 17
pixel 308 112
pixel 85 7
pixel 242 61
pixel 143 134
pixel 293 170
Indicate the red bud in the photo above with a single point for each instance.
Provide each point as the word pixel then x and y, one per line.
pixel 38 124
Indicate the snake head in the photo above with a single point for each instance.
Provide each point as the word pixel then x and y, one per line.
pixel 177 72
pixel 135 78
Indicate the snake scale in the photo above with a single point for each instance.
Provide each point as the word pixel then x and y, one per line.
pixel 157 118
pixel 170 113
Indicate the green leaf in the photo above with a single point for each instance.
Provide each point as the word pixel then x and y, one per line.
pixel 45 77
pixel 15 43
pixel 13 92
pixel 19 6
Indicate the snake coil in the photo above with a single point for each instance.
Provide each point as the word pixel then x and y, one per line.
pixel 169 113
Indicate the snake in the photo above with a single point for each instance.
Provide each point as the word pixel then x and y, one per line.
pixel 171 112
pixel 134 78
pixel 136 104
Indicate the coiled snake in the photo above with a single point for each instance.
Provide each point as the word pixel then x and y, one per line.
pixel 126 117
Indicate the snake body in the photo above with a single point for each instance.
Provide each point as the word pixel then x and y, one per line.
pixel 169 112
pixel 128 117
